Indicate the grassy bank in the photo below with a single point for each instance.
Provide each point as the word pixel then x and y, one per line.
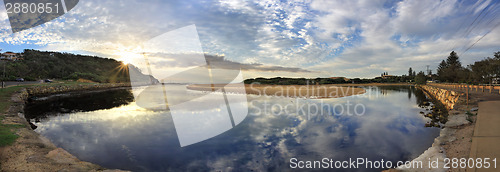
pixel 7 135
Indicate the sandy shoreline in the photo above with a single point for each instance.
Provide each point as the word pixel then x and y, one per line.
pixel 308 91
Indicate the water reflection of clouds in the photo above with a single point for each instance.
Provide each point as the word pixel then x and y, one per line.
pixel 379 133
pixel 391 129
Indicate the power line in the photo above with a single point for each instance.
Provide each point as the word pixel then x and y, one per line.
pixel 492 18
pixel 481 38
pixel 467 30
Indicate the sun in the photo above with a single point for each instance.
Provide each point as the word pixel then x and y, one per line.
pixel 126 60
pixel 127 57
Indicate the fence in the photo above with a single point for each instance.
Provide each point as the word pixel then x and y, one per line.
pixel 467 87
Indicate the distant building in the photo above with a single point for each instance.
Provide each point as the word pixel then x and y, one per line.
pixel 495 81
pixel 388 76
pixel 10 56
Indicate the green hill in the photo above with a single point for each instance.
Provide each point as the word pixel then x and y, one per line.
pixel 35 65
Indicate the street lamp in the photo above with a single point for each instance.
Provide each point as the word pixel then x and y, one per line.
pixel 3 83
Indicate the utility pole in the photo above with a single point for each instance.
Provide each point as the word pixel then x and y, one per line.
pixel 3 83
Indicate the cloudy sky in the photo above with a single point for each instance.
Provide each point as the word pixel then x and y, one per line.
pixel 304 38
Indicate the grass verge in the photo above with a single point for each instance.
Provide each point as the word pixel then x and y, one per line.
pixel 7 134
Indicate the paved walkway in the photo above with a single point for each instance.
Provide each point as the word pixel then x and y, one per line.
pixel 486 138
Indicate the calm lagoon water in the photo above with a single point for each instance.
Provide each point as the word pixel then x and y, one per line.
pixel 109 129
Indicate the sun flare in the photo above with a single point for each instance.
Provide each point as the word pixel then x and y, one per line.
pixel 127 57
pixel 126 60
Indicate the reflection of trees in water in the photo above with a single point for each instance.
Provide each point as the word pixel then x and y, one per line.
pixel 435 109
pixel 422 100
pixel 77 102
pixel 384 90
pixel 409 92
pixel 432 108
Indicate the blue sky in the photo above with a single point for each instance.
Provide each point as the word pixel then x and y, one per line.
pixel 321 37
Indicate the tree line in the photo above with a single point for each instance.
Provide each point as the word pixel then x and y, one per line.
pixel 37 65
pixel 485 71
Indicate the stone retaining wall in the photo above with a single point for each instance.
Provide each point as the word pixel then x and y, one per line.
pixel 446 97
pixel 55 89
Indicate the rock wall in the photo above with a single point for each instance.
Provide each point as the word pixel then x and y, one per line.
pixel 446 97
pixel 55 89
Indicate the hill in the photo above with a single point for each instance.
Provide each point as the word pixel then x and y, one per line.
pixel 36 65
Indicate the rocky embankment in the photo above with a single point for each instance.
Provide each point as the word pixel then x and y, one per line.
pixel 453 137
pixel 48 89
pixel 33 152
pixel 446 97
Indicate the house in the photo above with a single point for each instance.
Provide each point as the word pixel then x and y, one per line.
pixel 9 56
pixel 388 76
pixel 495 81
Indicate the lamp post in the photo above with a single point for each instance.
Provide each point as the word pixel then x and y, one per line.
pixel 3 83
pixel 3 78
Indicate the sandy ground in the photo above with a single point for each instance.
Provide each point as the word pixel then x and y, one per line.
pixel 309 91
pixel 460 148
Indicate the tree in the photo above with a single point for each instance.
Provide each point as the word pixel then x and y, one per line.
pixel 420 78
pixel 451 70
pixel 453 61
pixel 485 70
pixel 441 69
pixel 454 67
pixel 410 72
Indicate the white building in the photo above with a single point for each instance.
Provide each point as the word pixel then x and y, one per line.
pixel 9 56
